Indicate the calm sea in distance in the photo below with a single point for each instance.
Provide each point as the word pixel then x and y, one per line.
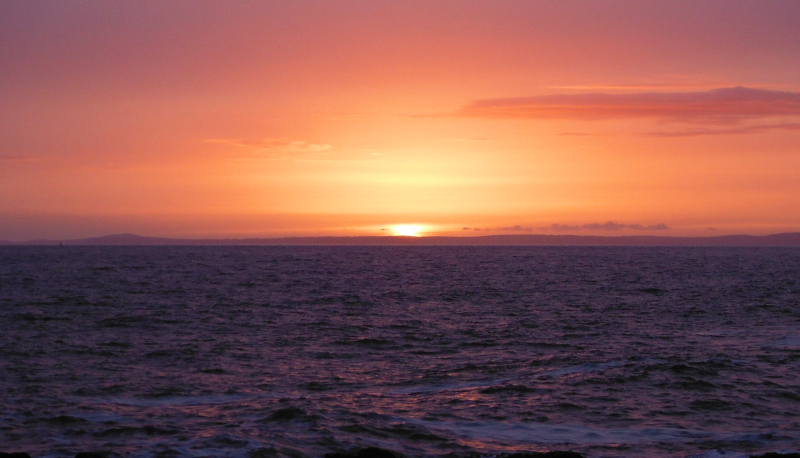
pixel 259 352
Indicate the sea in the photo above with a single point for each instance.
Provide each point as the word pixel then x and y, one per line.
pixel 423 351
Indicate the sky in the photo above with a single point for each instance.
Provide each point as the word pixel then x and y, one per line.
pixel 306 118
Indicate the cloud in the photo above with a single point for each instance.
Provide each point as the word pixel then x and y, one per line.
pixel 695 132
pixel 274 148
pixel 607 226
pixel 738 130
pixel 516 228
pixel 580 134
pixel 467 140
pixel 724 105
pixel 15 158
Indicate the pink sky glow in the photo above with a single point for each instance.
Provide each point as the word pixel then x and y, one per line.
pixel 291 118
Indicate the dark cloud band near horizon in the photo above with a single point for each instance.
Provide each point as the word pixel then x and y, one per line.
pixel 723 104
pixel 607 226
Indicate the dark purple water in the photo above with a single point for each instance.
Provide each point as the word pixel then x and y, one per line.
pixel 299 351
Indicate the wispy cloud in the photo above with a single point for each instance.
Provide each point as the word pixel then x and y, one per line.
pixel 636 87
pixel 466 140
pixel 607 226
pixel 696 132
pixel 15 158
pixel 273 148
pixel 723 106
pixel 581 134
pixel 516 228
pixel 726 131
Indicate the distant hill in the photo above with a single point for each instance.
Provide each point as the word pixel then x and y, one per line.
pixel 132 239
pixel 786 239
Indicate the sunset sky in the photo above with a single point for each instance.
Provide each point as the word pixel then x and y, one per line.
pixel 276 118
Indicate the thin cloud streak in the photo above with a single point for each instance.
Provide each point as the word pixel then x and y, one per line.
pixel 516 228
pixel 734 131
pixel 15 158
pixel 751 129
pixel 607 226
pixel 724 105
pixel 273 148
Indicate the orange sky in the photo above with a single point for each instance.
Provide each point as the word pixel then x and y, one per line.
pixel 254 118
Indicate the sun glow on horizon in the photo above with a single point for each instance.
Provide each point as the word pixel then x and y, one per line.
pixel 408 230
pixel 340 119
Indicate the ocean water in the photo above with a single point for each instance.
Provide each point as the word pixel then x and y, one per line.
pixel 426 351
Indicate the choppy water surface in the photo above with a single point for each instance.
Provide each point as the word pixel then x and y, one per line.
pixel 300 351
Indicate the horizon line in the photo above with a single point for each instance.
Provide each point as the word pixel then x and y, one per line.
pixel 130 239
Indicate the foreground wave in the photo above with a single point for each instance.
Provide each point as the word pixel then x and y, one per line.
pixel 458 352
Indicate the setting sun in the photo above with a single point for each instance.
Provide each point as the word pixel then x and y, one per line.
pixel 408 230
pixel 273 119
pixel 400 229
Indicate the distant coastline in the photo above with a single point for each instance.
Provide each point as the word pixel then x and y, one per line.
pixel 791 239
